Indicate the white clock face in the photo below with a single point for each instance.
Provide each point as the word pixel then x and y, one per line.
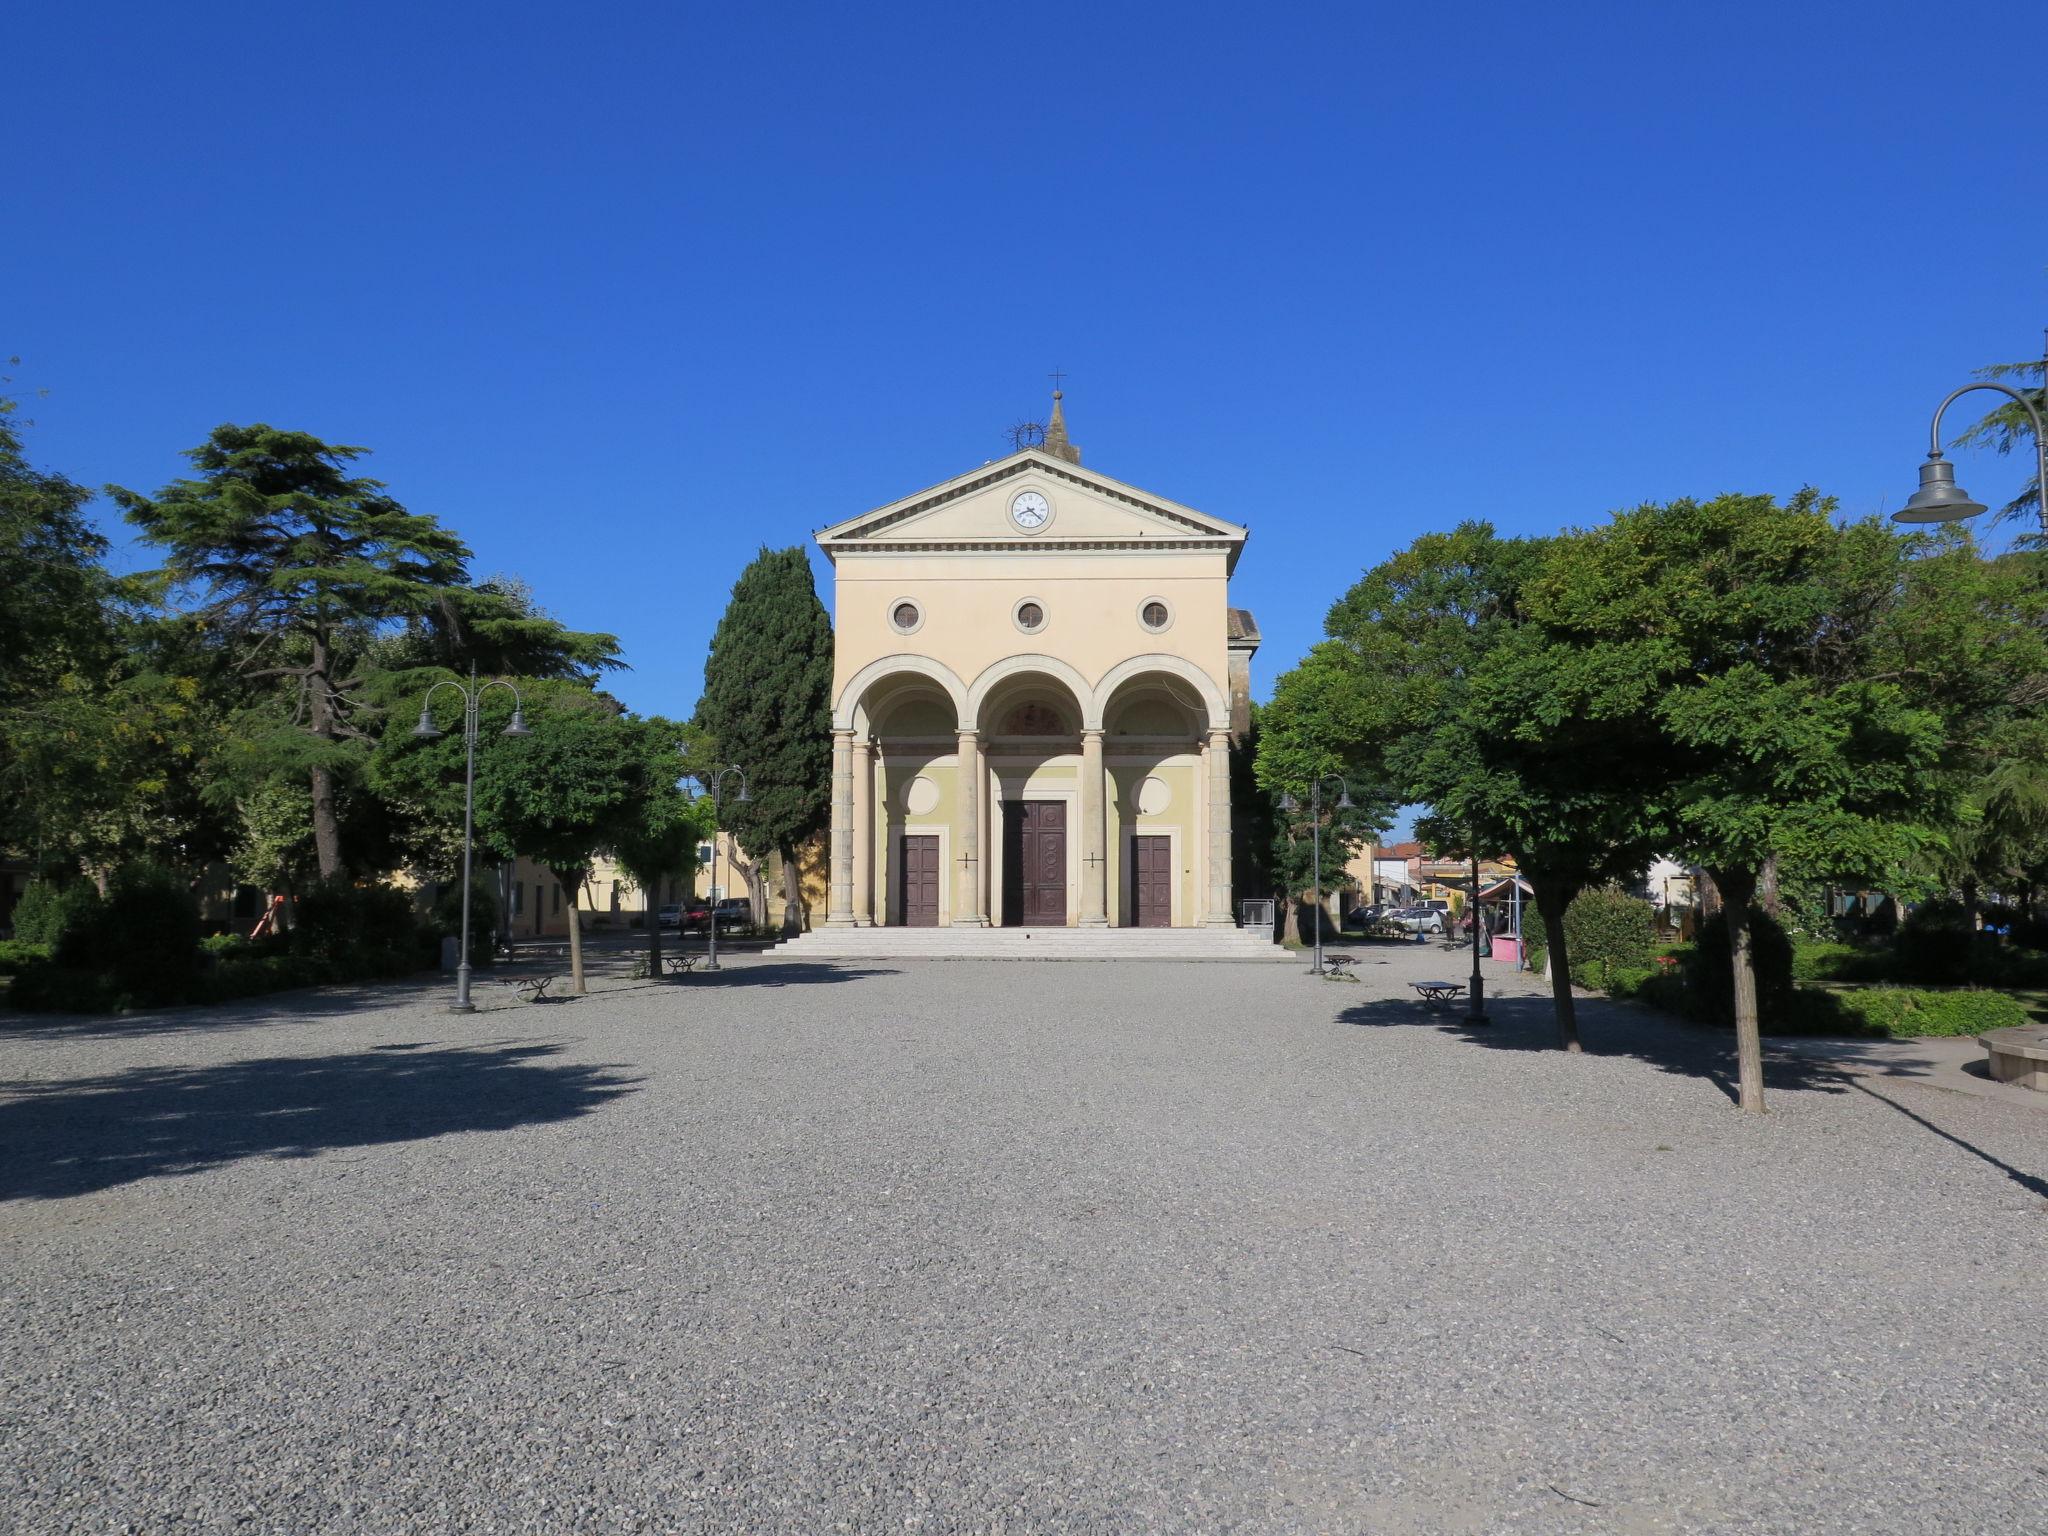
pixel 1030 510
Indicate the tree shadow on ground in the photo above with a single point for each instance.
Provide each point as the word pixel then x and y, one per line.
pixel 1686 1049
pixel 71 1138
pixel 780 973
pixel 225 1018
pixel 1669 1045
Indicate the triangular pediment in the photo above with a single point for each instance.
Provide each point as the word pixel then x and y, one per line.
pixel 1082 507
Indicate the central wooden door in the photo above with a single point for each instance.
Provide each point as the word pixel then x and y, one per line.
pixel 1152 882
pixel 1035 864
pixel 917 880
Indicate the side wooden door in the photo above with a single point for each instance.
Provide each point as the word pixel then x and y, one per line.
pixel 917 880
pixel 1035 864
pixel 1152 882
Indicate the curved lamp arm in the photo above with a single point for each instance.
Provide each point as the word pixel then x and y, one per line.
pixel 1934 453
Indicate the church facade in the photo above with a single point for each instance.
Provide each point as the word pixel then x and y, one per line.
pixel 1038 681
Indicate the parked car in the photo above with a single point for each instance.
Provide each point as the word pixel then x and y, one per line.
pixel 1418 920
pixel 669 916
pixel 1365 916
pixel 733 912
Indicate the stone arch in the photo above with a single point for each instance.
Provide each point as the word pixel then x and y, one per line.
pixel 1206 692
pixel 857 686
pixel 1012 667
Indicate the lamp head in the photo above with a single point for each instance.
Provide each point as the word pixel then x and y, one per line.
pixel 1344 800
pixel 426 730
pixel 1288 803
pixel 1939 499
pixel 743 797
pixel 518 727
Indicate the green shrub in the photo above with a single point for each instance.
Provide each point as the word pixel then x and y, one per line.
pixel 1606 930
pixel 255 975
pixel 17 954
pixel 1537 946
pixel 1843 962
pixel 1934 943
pixel 144 936
pixel 446 920
pixel 1901 1011
pixel 46 912
pixel 1710 971
pixel 361 932
pixel 46 987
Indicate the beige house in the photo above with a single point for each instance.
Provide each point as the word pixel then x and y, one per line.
pixel 1034 686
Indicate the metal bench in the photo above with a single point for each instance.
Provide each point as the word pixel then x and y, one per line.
pixel 1438 993
pixel 1338 967
pixel 533 988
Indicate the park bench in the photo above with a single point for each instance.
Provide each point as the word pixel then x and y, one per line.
pixel 1437 993
pixel 1338 967
pixel 2018 1055
pixel 533 988
pixel 673 965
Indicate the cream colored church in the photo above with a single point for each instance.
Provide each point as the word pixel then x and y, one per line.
pixel 1038 678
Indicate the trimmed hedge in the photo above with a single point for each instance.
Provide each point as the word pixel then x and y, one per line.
pixel 46 912
pixel 1902 1011
pixel 143 938
pixel 16 955
pixel 1606 931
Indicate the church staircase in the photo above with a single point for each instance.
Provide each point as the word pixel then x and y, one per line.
pixel 1190 944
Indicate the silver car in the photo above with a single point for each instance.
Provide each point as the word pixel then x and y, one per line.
pixel 1417 920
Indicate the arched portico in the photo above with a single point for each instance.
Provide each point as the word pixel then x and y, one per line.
pixel 1031 796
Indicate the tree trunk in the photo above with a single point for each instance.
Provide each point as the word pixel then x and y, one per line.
pixel 1767 894
pixel 1710 896
pixel 792 894
pixel 1552 897
pixel 653 916
pixel 571 881
pixel 1738 889
pixel 326 821
pixel 1970 927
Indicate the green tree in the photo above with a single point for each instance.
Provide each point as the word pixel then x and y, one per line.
pixel 767 702
pixel 564 794
pixel 1746 633
pixel 1485 720
pixel 300 568
pixel 657 837
pixel 1323 721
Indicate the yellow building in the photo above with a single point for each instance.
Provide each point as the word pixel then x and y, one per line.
pixel 1034 678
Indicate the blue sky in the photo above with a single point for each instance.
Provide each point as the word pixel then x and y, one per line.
pixel 623 293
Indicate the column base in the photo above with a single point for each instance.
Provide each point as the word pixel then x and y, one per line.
pixel 1092 922
pixel 1219 922
pixel 971 920
pixel 837 920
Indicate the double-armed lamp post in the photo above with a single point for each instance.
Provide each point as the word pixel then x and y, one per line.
pixel 1940 499
pixel 712 782
pixel 1315 815
pixel 426 730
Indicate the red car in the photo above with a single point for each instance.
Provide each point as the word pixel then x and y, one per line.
pixel 733 912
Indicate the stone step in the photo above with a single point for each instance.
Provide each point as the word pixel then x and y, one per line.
pixel 1188 944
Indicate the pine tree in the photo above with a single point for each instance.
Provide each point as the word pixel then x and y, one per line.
pixel 768 704
pixel 304 569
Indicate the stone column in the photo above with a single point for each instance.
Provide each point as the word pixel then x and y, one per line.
pixel 1218 762
pixel 863 835
pixel 967 911
pixel 839 911
pixel 1094 855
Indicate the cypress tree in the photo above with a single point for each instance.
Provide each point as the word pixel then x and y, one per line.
pixel 768 704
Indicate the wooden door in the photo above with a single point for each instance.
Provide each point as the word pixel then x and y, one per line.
pixel 1035 864
pixel 917 880
pixel 1152 882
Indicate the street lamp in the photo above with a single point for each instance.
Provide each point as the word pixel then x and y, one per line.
pixel 713 784
pixel 1476 1012
pixel 1940 499
pixel 426 730
pixel 1315 815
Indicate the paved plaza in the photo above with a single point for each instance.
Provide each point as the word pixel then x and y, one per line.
pixel 985 1247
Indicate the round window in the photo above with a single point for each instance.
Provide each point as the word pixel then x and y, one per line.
pixel 906 616
pixel 1154 614
pixel 1029 615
